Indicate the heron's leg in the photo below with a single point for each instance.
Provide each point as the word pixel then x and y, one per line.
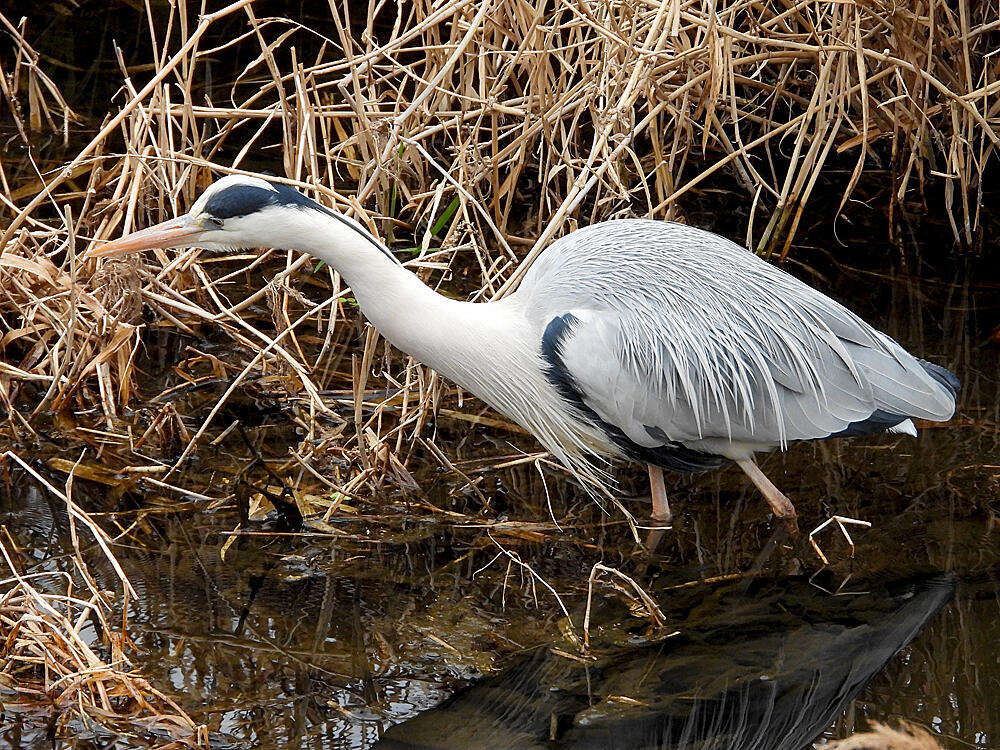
pixel 661 508
pixel 654 538
pixel 780 504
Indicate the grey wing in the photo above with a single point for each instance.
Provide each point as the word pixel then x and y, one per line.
pixel 735 372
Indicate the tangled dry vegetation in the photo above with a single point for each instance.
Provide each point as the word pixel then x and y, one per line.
pixel 54 678
pixel 63 666
pixel 881 737
pixel 468 134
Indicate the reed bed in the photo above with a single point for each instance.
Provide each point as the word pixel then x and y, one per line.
pixel 468 134
pixel 56 682
pixel 63 661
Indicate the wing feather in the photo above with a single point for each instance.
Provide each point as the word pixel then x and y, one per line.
pixel 682 335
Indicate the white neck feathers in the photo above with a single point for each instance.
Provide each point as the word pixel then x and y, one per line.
pixel 492 349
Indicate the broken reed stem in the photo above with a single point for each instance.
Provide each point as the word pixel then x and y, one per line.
pixel 635 593
pixel 76 513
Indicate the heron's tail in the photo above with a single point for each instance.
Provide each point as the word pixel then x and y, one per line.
pixel 945 377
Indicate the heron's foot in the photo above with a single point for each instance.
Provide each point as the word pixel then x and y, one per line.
pixel 841 522
pixel 781 506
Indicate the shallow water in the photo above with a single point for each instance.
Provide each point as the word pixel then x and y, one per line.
pixel 324 640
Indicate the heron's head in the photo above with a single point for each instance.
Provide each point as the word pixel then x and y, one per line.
pixel 237 211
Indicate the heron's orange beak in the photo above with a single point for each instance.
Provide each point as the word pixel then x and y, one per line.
pixel 172 233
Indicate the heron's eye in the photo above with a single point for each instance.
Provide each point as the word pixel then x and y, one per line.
pixel 216 221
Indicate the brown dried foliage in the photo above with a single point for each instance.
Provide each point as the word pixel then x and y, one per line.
pixel 54 673
pixel 881 737
pixel 479 130
pixel 50 670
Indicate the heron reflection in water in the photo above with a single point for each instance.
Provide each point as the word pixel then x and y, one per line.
pixel 767 668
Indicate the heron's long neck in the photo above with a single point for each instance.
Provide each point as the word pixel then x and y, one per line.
pixel 466 342
pixel 490 349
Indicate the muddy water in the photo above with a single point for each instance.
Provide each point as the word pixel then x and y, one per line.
pixel 327 640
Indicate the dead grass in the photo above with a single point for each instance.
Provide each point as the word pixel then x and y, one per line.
pixel 53 677
pixel 56 674
pixel 469 133
pixel 881 737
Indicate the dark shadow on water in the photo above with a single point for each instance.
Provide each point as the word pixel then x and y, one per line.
pixel 770 669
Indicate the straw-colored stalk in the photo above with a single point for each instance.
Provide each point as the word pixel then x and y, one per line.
pixel 52 665
pixel 881 737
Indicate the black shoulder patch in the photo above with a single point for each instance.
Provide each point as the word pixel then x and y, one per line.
pixel 555 371
pixel 671 455
pixel 552 338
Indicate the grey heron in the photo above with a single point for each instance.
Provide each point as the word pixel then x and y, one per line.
pixel 634 338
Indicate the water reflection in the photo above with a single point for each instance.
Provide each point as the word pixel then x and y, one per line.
pixel 769 669
pixel 323 643
pixel 327 641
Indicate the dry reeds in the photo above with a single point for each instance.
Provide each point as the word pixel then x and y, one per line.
pixel 55 672
pixel 881 737
pixel 52 674
pixel 468 133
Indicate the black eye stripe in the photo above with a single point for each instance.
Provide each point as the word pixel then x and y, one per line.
pixel 240 200
pixel 243 200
